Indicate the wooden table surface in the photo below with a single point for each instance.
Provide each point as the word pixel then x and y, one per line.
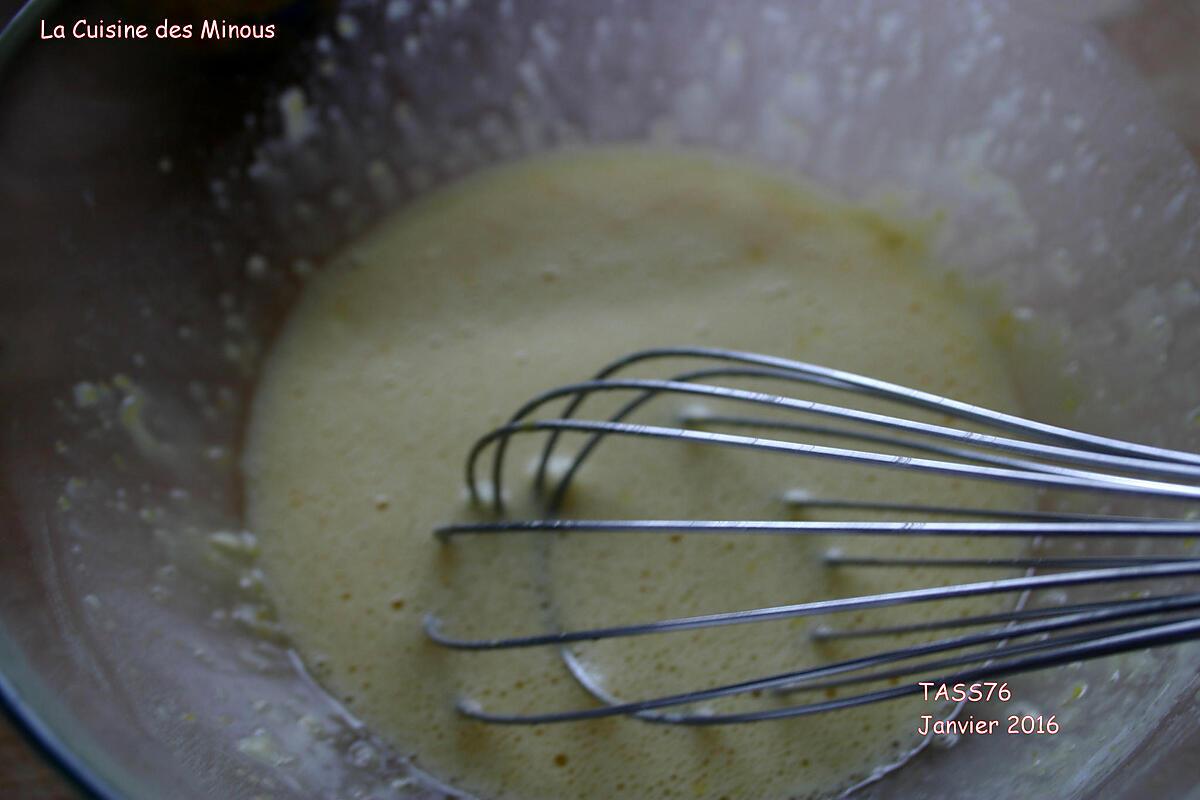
pixel 23 773
pixel 1158 37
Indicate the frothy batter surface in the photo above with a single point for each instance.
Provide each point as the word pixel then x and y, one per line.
pixel 464 305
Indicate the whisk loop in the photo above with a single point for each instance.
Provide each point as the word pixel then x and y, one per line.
pixel 1022 451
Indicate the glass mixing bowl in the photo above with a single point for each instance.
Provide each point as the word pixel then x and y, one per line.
pixel 163 202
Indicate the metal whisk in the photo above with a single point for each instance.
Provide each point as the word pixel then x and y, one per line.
pixel 1021 452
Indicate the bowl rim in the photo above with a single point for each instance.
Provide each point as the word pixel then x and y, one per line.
pixel 45 742
pixel 19 29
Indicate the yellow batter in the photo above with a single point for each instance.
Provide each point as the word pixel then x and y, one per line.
pixel 438 326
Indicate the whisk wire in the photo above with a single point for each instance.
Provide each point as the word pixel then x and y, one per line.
pixel 1027 453
pixel 1000 663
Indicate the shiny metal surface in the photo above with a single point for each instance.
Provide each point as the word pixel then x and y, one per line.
pixel 1044 447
